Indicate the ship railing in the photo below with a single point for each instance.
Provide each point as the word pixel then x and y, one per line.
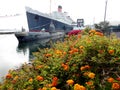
pixel 40 26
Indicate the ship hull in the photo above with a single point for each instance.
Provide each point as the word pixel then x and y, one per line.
pixel 37 36
pixel 37 22
pixel 39 26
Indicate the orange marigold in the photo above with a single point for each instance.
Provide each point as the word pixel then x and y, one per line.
pixel 39 66
pixel 58 52
pixel 64 53
pixel 71 52
pixel 44 88
pixel 70 82
pixel 54 81
pixel 91 75
pixel 81 47
pixel 89 83
pixel 39 78
pixel 111 51
pixel 48 55
pixel 75 50
pixel 82 68
pixel 30 80
pixel 65 66
pixel 115 86
pixel 53 88
pixel 110 80
pixel 87 67
pixel 79 35
pixel 99 33
pixel 79 87
pixel 86 73
pixel 92 31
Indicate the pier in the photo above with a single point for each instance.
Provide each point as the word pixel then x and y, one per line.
pixel 6 31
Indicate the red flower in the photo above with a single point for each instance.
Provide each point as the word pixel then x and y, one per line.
pixel 74 32
pixel 8 76
pixel 118 78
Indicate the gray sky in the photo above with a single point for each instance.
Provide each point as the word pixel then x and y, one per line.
pixel 92 11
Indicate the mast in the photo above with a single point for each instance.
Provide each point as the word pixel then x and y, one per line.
pixel 50 6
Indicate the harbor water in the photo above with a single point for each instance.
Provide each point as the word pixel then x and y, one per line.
pixel 13 54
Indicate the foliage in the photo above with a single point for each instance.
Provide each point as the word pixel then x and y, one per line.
pixel 87 29
pixel 102 26
pixel 81 62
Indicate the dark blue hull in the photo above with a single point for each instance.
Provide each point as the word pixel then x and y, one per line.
pixel 37 22
pixel 43 26
pixel 35 36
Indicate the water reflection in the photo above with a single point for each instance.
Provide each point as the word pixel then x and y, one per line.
pixel 32 46
pixel 13 54
pixel 9 57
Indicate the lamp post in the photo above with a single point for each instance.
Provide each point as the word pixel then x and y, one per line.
pixel 105 11
pixel 104 26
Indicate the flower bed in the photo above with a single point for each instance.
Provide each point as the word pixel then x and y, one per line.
pixel 81 62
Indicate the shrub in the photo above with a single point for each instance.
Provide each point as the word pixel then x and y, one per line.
pixel 81 62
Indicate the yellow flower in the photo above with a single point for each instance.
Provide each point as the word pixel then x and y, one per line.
pixel 70 82
pixel 91 75
pixel 115 86
pixel 44 88
pixel 58 52
pixel 79 87
pixel 92 31
pixel 16 77
pixel 81 47
pixel 30 80
pixel 53 88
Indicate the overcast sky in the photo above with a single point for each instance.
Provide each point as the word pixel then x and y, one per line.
pixel 92 11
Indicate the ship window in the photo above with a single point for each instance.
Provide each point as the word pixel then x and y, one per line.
pixel 36 17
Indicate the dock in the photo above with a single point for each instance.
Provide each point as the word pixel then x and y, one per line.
pixel 6 31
